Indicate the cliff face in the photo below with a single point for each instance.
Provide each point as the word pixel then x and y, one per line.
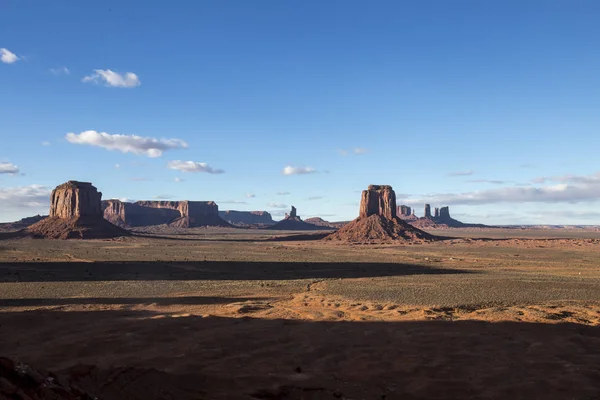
pixel 378 200
pixel 75 199
pixel 75 212
pixel 257 218
pixel 183 214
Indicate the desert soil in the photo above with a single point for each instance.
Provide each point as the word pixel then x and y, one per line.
pixel 232 314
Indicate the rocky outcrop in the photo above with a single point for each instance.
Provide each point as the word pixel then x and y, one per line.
pixel 135 215
pixel 75 199
pixel 378 200
pixel 182 214
pixel 75 212
pixel 292 222
pixel 21 224
pixel 440 219
pixel 21 381
pixel 377 221
pixel 427 212
pixel 247 218
pixel 403 210
pixel 321 222
pixel 292 214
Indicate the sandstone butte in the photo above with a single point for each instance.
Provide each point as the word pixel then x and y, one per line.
pixel 181 214
pixel 378 222
pixel 75 212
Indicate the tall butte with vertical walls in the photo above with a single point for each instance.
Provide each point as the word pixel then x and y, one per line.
pixel 76 212
pixel 377 220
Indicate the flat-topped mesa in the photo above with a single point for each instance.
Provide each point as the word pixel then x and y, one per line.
pixel 75 213
pixel 403 210
pixel 75 199
pixel 427 210
pixel 192 213
pixel 378 200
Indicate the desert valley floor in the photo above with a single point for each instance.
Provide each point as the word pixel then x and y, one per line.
pixel 226 313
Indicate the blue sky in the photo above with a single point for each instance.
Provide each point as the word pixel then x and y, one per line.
pixel 488 107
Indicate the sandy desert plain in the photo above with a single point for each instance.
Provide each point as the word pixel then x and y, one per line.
pixel 224 313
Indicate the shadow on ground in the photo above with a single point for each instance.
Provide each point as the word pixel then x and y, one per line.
pixel 205 270
pixel 141 355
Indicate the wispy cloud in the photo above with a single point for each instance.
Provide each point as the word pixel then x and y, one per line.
pixel 46 143
pixel 277 205
pixel 290 170
pixel 491 181
pixel 342 152
pixel 315 198
pixel 139 145
pixel 25 198
pixel 60 71
pixel 193 166
pixel 7 56
pixel 250 195
pixel 113 79
pixel 139 179
pixel 117 166
pixel 231 202
pixel 360 150
pixel 163 197
pixel 461 173
pixel 282 193
pixel 564 189
pixel 8 168
pixel 179 180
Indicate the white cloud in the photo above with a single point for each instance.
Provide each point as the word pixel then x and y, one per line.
pixel 282 193
pixel 289 170
pixel 117 166
pixel 491 181
pixel 343 152
pixel 163 197
pixel 147 146
pixel 231 202
pixel 565 189
pixel 461 173
pixel 315 198
pixel 192 166
pixel 139 179
pixel 113 79
pixel 60 71
pixel 8 57
pixel 8 168
pixel 250 195
pixel 45 143
pixel 179 180
pixel 25 198
pixel 277 205
pixel 360 150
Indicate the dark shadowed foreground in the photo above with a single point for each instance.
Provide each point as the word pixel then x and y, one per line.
pixel 191 357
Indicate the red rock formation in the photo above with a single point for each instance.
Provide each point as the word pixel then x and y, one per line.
pixel 132 214
pixel 247 218
pixel 377 221
pixel 427 211
pixel 403 211
pixel 378 200
pixel 75 199
pixel 75 212
pixel 292 222
pixel 182 214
